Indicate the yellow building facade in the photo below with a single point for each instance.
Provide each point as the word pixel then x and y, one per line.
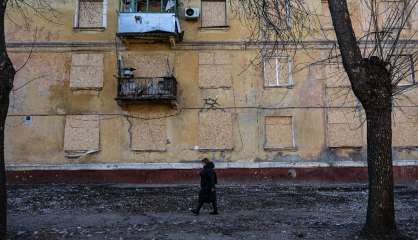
pixel 159 85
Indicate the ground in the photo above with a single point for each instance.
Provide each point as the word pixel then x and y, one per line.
pixel 263 211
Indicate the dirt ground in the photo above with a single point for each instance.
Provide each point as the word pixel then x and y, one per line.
pixel 267 211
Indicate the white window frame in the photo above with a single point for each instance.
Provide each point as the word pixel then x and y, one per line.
pixel 277 67
pixel 76 17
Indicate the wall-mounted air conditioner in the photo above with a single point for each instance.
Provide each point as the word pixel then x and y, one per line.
pixel 192 13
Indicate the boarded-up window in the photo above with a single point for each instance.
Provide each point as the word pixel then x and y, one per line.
pixel 405 129
pixel 86 71
pixel 326 21
pixel 344 128
pixel 277 15
pixel 81 133
pixel 214 13
pixel 404 71
pixel 278 72
pixel 215 70
pixel 215 130
pixel 149 135
pixel 394 14
pixel 91 14
pixel 279 132
pixel 149 65
pixel 340 97
pixel 335 75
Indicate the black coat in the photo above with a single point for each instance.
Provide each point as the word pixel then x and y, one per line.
pixel 208 180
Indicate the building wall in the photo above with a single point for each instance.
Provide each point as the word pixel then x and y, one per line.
pixel 63 108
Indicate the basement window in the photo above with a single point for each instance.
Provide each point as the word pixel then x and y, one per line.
pixel 90 15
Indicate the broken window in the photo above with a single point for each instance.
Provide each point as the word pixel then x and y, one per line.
pixel 214 13
pixel 278 72
pixel 91 14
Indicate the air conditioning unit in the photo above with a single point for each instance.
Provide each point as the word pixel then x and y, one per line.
pixel 192 13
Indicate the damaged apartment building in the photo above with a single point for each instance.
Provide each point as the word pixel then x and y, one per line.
pixel 146 88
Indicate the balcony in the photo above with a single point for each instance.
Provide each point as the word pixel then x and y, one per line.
pixel 141 89
pixel 149 20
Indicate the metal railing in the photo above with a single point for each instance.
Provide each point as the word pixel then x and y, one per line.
pixel 147 89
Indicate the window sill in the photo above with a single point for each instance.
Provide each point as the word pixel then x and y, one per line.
pixel 272 148
pixel 200 149
pixel 214 28
pixel 280 86
pixel 345 147
pixel 89 29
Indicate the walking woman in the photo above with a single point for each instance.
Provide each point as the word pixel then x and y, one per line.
pixel 208 181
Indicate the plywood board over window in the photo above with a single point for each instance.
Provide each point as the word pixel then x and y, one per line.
pixel 215 130
pixel 335 75
pixel 149 65
pixel 393 14
pixel 148 135
pixel 86 71
pixel 90 14
pixel 82 133
pixel 405 129
pixel 278 72
pixel 404 70
pixel 344 128
pixel 279 132
pixel 215 70
pixel 326 21
pixel 214 13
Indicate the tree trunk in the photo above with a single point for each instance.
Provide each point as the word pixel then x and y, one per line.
pixel 4 105
pixel 7 74
pixel 380 209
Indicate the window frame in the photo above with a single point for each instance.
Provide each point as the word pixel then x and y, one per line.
pixel 277 65
pixel 76 25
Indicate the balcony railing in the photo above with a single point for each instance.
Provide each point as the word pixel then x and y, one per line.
pixel 140 89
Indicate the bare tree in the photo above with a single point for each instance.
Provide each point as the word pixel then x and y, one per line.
pixel 26 9
pixel 376 61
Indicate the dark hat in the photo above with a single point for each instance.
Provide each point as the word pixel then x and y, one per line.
pixel 205 160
